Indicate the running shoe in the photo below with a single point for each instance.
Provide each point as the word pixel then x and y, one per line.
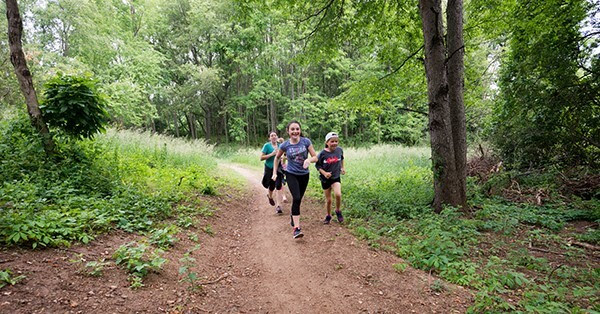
pixel 340 218
pixel 271 200
pixel 278 210
pixel 327 220
pixel 298 233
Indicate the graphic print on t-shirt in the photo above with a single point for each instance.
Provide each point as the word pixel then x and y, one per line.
pixel 297 153
pixel 332 160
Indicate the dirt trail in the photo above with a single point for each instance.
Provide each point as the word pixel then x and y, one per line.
pixel 328 270
pixel 251 265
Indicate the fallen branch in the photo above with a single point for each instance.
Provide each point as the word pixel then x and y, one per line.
pixel 544 251
pixel 225 275
pixel 585 245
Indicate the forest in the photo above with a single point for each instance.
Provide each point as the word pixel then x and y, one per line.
pixel 471 132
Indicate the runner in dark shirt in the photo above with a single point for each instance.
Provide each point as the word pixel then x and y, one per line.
pixel 330 163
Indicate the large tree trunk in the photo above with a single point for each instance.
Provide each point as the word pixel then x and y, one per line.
pixel 456 69
pixel 445 178
pixel 17 58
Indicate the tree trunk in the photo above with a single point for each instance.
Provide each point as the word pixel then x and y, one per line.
pixel 207 126
pixel 176 124
pixel 445 178
pixel 456 50
pixel 273 112
pixel 191 124
pixel 17 58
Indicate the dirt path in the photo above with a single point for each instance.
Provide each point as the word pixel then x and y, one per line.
pixel 251 265
pixel 328 270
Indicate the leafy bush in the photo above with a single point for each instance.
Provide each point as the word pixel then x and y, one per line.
pixel 73 104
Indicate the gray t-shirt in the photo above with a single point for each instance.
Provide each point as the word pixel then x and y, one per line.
pixel 330 162
pixel 296 155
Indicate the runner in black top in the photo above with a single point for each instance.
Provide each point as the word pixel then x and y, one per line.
pixel 330 163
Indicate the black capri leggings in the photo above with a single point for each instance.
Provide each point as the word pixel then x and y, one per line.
pixel 297 185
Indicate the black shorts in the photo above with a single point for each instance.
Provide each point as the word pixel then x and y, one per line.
pixel 270 184
pixel 327 183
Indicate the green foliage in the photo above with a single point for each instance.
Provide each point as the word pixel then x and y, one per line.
pixel 138 262
pixel 165 237
pixel 95 268
pixel 6 278
pixel 185 221
pixel 185 270
pixel 591 236
pixel 73 104
pixel 548 111
pixel 94 186
pixel 486 250
pixel 208 230
pixel 400 267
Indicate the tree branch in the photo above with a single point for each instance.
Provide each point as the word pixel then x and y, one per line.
pixel 403 62
pixel 454 52
pixel 315 29
pixel 590 34
pixel 413 110
pixel 318 26
pixel 317 13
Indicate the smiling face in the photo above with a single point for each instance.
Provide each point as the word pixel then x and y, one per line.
pixel 273 137
pixel 333 143
pixel 294 131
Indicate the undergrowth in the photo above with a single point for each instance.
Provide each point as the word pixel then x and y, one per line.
pixel 122 179
pixel 387 192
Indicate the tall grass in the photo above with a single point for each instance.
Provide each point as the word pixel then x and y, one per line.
pixel 388 179
pixel 161 162
pixel 179 151
pixel 248 156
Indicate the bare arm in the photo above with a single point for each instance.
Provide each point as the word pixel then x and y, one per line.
pixel 264 156
pixel 276 164
pixel 312 159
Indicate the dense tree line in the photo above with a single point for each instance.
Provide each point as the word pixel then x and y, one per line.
pixel 229 71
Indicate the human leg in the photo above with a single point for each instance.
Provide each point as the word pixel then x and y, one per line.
pixel 268 184
pixel 337 191
pixel 297 185
pixel 277 193
pixel 327 193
